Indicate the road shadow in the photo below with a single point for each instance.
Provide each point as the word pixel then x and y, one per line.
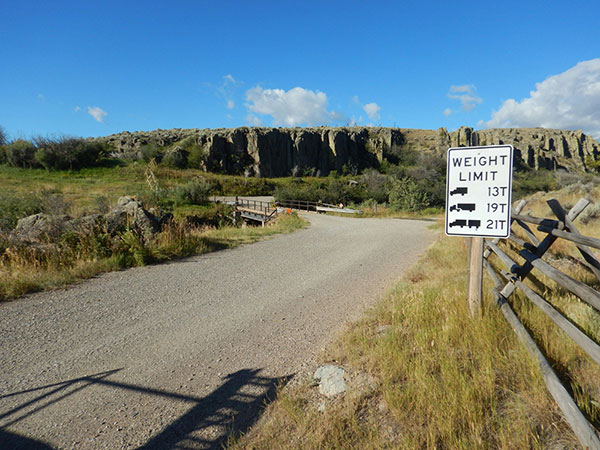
pixel 15 441
pixel 231 409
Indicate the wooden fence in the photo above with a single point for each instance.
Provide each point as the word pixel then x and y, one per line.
pixel 532 251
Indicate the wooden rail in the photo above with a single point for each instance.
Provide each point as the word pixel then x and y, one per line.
pixel 304 205
pixel 514 273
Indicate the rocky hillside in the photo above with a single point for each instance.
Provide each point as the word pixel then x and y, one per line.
pixel 273 152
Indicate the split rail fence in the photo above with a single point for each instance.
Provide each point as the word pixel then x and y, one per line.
pixel 532 250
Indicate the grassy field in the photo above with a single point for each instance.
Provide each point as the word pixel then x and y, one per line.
pixel 28 269
pixel 422 374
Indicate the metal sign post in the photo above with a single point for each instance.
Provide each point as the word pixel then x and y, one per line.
pixel 478 198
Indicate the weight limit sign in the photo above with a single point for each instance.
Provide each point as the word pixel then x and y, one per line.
pixel 478 191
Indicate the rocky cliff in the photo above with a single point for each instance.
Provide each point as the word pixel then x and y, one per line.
pixel 274 152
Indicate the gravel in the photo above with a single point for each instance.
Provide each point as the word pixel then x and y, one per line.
pixel 182 353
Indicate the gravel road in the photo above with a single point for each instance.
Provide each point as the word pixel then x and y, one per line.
pixel 173 356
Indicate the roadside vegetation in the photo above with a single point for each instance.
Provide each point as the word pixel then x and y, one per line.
pixel 192 224
pixel 76 256
pixel 434 378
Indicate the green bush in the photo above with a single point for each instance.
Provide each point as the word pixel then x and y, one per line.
pixel 531 181
pixel 375 184
pixel 68 153
pixel 405 195
pixel 3 137
pixel 151 151
pixel 20 153
pixel 53 154
pixel 176 158
pixel 193 193
pixel 13 208
pixel 592 163
pixel 197 156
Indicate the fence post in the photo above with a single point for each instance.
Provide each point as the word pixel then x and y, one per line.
pixel 475 276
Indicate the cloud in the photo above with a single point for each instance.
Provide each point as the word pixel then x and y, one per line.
pixel 295 107
pixel 372 110
pixel 97 113
pixel 570 100
pixel 230 104
pixel 447 112
pixel 253 120
pixel 77 109
pixel 229 79
pixel 466 93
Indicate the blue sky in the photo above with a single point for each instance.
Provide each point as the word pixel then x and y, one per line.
pixel 90 68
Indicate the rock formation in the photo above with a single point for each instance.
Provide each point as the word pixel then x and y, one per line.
pixel 275 152
pixel 43 228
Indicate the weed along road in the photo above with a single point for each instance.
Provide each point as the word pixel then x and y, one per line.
pixel 178 355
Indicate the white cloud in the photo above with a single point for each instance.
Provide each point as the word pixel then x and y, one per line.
pixel 466 93
pixel 570 100
pixel 447 112
pixel 295 107
pixel 253 120
pixel 97 113
pixel 229 78
pixel 372 110
pixel 356 100
pixel 77 109
pixel 230 104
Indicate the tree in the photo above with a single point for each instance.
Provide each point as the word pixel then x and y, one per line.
pixel 3 137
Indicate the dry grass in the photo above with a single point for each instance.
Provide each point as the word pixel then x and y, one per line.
pixel 440 379
pixel 30 269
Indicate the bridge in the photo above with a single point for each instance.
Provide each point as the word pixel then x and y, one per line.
pixel 262 211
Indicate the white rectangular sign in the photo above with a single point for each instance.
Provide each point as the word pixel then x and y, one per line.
pixel 478 191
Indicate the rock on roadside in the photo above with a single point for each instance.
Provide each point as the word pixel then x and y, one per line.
pixel 42 228
pixel 331 380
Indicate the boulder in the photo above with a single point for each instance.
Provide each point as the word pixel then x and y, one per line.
pixel 41 227
pixel 331 380
pixel 129 212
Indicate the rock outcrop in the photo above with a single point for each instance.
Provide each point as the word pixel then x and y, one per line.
pixel 43 228
pixel 274 152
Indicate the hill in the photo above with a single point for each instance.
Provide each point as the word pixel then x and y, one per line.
pixel 276 152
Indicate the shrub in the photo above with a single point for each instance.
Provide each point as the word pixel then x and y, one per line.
pixel 68 153
pixel 197 156
pixel 375 184
pixel 3 137
pixel 13 208
pixel 176 158
pixel 405 194
pixel 20 153
pixel 193 193
pixel 592 163
pixel 532 181
pixel 151 151
pixel 591 213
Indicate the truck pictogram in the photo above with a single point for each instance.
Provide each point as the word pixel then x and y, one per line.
pixel 459 223
pixel 463 207
pixel 474 223
pixel 462 190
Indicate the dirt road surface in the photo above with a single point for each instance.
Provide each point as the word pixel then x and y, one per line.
pixel 177 355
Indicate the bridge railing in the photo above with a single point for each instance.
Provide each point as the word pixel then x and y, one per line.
pixel 303 205
pixel 264 207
